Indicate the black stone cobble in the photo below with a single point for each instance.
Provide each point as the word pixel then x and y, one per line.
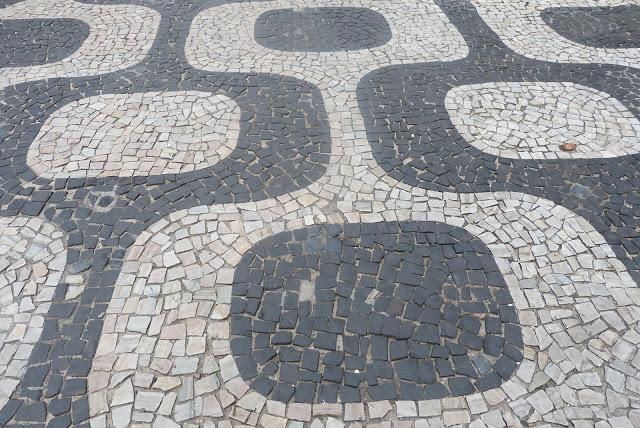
pixel 322 29
pixel 413 139
pixel 27 42
pixel 380 311
pixel 613 27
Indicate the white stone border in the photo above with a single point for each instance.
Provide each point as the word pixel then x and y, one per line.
pixel 420 32
pixel 172 132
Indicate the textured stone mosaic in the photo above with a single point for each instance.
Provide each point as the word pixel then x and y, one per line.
pixel 534 120
pixel 520 26
pixel 318 312
pixel 338 213
pixel 32 261
pixel 152 133
pixel 119 37
pixel 323 29
pixel 39 41
pixel 175 291
pixel 606 27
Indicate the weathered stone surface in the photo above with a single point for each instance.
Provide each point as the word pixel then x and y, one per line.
pixel 330 116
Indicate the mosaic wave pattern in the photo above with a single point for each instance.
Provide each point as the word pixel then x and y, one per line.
pixel 533 120
pixel 319 214
pixel 526 28
pixel 120 36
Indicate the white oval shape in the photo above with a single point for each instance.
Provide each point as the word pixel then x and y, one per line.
pixel 531 120
pixel 136 134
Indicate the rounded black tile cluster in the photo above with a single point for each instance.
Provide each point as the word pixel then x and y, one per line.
pixel 601 27
pixel 375 311
pixel 7 3
pixel 322 29
pixel 39 41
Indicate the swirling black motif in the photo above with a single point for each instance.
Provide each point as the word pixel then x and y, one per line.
pixel 283 146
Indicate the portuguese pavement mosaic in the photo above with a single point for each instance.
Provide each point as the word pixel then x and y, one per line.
pixel 339 213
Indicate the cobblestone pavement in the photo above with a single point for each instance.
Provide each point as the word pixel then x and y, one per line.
pixel 338 213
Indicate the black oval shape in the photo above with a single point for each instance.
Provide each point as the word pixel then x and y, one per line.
pixel 321 29
pixel 39 41
pixel 612 27
pixel 411 311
